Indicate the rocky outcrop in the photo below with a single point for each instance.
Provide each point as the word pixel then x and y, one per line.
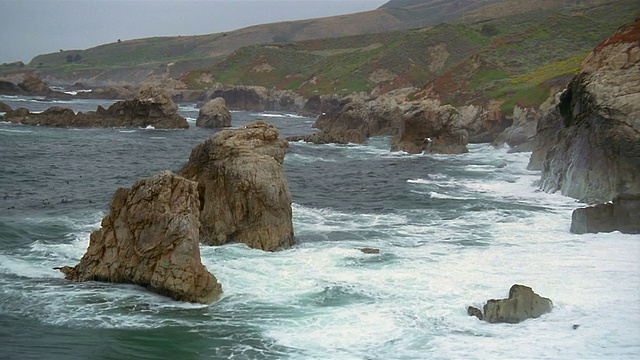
pixel 431 128
pixel 214 114
pixel 519 136
pixel 150 238
pixel 252 98
pixel 587 146
pixel 622 214
pixel 319 104
pixel 34 85
pixel 521 304
pixel 244 196
pixel 151 107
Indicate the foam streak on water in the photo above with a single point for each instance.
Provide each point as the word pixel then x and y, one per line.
pixel 452 231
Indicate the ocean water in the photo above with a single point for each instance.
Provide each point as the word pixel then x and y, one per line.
pixel 452 231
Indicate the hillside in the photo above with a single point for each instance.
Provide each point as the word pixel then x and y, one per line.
pixel 512 59
pixel 170 57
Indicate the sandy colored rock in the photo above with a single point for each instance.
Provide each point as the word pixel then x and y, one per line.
pixel 150 238
pixel 521 304
pixel 214 114
pixel 243 192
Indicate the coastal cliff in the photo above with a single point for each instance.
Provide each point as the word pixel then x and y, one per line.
pixel 587 147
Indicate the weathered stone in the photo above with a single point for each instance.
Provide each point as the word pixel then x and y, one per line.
pixel 474 311
pixel 519 136
pixel 252 98
pixel 243 192
pixel 622 214
pixel 150 238
pixel 587 147
pixel 214 114
pixel 521 304
pixel 431 128
pixel 34 85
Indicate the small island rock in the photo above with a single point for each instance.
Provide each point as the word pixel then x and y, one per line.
pixel 150 238
pixel 244 195
pixel 214 114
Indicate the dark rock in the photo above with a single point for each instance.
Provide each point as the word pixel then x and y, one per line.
pixel 370 251
pixel 252 98
pixel 9 88
pixel 622 214
pixel 4 107
pixel 34 85
pixel 431 128
pixel 474 311
pixel 244 195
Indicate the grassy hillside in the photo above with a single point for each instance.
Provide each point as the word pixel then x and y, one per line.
pixel 512 59
pixel 136 60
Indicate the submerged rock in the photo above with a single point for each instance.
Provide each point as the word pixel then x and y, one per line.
pixel 214 114
pixel 622 214
pixel 150 238
pixel 521 304
pixel 244 196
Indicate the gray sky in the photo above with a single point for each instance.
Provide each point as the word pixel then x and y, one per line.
pixel 32 27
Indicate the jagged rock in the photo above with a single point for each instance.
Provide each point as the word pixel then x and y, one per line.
pixel 429 127
pixel 284 100
pixel 622 214
pixel 214 114
pixel 244 195
pixel 319 104
pixel 150 238
pixel 348 124
pixel 587 146
pixel 151 107
pixel 521 304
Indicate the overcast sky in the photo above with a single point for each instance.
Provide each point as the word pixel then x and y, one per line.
pixel 32 27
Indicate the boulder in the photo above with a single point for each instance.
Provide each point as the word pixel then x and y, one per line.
pixel 622 214
pixel 431 128
pixel 244 196
pixel 9 88
pixel 150 238
pixel 214 114
pixel 521 304
pixel 587 146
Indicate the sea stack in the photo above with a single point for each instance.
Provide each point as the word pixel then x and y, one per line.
pixel 521 304
pixel 244 195
pixel 151 238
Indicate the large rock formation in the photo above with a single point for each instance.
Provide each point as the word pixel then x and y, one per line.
pixel 244 196
pixel 587 147
pixel 521 304
pixel 519 136
pixel 214 114
pixel 432 128
pixel 151 107
pixel 150 238
pixel 242 97
pixel 622 214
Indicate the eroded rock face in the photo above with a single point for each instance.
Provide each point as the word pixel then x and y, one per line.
pixel 252 98
pixel 214 114
pixel 519 136
pixel 587 147
pixel 431 128
pixel 622 214
pixel 151 238
pixel 521 304
pixel 243 192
